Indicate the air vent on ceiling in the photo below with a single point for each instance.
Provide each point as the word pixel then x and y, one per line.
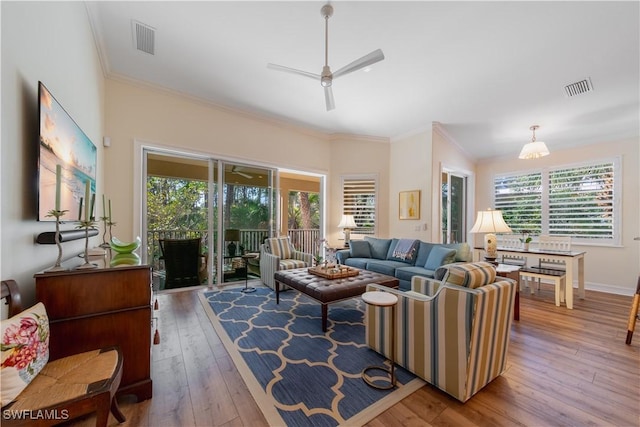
pixel 144 37
pixel 578 88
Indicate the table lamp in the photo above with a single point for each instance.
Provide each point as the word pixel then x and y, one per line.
pixel 490 222
pixel 231 235
pixel 347 223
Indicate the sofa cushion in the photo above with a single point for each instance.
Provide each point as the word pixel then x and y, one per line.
pixel 385 267
pixel 424 249
pixel 438 256
pixel 407 272
pixel 279 246
pixel 25 350
pixel 463 251
pixel 405 250
pixel 378 247
pixel 470 275
pixel 357 262
pixel 359 249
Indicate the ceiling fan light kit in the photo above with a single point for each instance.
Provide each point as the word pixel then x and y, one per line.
pixel 326 77
pixel 534 149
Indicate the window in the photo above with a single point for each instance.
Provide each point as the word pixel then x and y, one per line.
pixel 578 200
pixel 359 199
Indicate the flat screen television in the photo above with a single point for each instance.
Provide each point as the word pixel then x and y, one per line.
pixel 62 142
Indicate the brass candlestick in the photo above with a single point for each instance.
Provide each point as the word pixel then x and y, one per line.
pixel 57 214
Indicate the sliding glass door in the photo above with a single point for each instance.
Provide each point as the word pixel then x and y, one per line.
pixel 247 216
pixel 229 206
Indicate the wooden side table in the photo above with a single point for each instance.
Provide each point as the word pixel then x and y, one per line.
pixel 512 272
pixel 383 299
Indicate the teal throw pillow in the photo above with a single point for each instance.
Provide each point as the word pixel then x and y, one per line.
pixel 439 256
pixel 359 249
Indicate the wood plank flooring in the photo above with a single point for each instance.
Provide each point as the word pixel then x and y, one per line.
pixel 565 368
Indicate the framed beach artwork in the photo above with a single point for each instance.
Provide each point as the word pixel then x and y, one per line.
pixel 410 204
pixel 63 143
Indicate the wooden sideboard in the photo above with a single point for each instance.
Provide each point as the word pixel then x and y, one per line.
pixel 100 307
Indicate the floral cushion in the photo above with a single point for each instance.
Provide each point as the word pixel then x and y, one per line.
pixel 25 350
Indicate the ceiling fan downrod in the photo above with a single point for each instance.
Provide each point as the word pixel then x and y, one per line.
pixel 326 77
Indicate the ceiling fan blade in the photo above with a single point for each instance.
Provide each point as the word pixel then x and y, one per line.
pixel 328 97
pixel 293 71
pixel 246 175
pixel 366 60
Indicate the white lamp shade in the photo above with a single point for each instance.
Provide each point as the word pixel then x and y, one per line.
pixel 490 221
pixel 347 221
pixel 534 150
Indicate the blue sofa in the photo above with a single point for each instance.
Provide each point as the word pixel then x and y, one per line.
pixel 414 258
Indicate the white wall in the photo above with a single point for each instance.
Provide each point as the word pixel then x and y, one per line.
pixel 53 43
pixel 610 269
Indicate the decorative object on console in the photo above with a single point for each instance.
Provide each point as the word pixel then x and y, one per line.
pixel 231 235
pixel 106 221
pixel 57 213
pixel 347 223
pixel 490 222
pixel 124 247
pixel 409 202
pixel 86 224
pixel 534 149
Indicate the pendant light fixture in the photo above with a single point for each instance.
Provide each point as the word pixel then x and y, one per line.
pixel 534 149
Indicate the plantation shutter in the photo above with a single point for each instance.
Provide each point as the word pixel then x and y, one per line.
pixel 359 200
pixel 581 201
pixel 519 197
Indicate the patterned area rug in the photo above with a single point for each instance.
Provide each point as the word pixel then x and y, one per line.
pixel 297 374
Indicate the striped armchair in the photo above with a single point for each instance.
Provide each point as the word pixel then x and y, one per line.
pixel 278 253
pixel 454 336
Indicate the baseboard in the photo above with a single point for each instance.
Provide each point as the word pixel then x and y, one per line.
pixel 603 287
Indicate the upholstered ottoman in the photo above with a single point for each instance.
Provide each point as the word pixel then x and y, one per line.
pixel 326 291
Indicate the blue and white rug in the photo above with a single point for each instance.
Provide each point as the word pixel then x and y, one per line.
pixel 298 375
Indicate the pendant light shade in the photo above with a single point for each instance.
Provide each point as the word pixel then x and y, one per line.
pixel 534 149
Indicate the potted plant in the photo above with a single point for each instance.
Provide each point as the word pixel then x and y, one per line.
pixel 526 239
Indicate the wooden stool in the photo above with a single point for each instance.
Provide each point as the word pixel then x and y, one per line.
pixel 383 299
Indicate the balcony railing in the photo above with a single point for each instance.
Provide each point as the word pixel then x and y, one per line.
pixel 251 239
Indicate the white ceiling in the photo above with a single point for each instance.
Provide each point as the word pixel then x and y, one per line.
pixel 486 71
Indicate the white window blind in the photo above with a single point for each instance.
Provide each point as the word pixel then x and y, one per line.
pixel 575 200
pixel 519 197
pixel 581 201
pixel 359 200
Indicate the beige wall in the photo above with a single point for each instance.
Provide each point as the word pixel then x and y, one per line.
pixel 448 156
pixel 135 112
pixel 611 269
pixel 410 163
pixel 352 156
pixel 53 43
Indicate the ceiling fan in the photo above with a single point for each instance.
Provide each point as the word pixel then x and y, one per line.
pixel 238 171
pixel 326 77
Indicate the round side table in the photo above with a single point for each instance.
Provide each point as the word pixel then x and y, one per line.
pixel 383 299
pixel 246 257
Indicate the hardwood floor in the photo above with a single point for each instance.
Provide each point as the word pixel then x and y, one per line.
pixel 565 368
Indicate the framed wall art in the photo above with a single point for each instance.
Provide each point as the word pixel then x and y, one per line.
pixel 409 204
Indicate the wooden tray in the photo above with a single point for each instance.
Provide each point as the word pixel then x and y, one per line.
pixel 330 273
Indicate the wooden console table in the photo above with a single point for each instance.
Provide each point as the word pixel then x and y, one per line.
pixel 101 307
